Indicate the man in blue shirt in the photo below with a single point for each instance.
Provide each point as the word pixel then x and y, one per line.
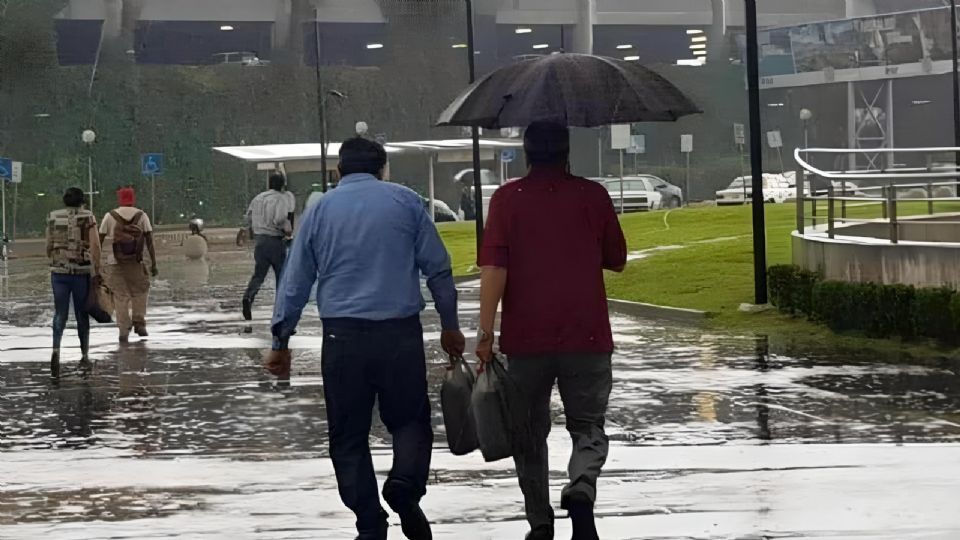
pixel 366 244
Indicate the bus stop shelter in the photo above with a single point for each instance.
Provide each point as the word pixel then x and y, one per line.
pixel 302 158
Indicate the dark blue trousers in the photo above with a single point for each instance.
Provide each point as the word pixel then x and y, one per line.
pixel 65 288
pixel 384 361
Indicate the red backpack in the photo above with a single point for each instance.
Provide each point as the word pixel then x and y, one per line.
pixel 128 238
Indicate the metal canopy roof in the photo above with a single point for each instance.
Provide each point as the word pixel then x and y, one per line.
pixel 280 153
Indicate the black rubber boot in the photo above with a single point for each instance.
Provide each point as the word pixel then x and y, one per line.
pixel 55 365
pixel 580 508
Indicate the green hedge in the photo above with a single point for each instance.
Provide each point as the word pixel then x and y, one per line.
pixel 877 310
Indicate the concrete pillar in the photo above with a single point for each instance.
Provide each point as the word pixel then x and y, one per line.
pixel 113 19
pixel 583 32
pixel 281 23
pixel 861 8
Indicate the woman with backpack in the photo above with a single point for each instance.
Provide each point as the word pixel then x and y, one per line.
pixel 74 251
pixel 126 231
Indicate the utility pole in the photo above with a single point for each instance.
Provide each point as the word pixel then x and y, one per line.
pixel 956 82
pixel 475 131
pixel 756 157
pixel 321 108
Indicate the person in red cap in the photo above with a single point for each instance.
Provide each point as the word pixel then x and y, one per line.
pixel 128 231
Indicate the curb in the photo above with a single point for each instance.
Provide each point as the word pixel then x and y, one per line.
pixel 662 313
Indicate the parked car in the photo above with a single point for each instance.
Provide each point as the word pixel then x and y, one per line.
pixel 776 189
pixel 636 194
pixel 489 184
pixel 243 58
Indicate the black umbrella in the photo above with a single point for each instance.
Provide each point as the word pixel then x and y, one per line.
pixel 570 89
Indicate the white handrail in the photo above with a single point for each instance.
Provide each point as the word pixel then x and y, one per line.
pixel 799 154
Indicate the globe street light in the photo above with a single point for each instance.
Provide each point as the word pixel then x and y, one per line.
pixel 89 137
pixel 805 116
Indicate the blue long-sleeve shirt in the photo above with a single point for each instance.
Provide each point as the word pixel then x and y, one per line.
pixel 365 244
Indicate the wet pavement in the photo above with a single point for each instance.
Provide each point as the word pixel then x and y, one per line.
pixel 714 436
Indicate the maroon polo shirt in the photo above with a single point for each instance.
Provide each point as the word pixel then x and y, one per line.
pixel 554 233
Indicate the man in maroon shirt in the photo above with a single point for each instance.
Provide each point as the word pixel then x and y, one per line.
pixel 549 237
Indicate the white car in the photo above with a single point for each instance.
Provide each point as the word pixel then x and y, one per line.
pixel 635 195
pixel 776 189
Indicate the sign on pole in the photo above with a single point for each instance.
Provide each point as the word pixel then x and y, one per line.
pixel 151 164
pixel 686 143
pixel 620 136
pixel 638 144
pixel 6 169
pixel 17 176
pixel 775 139
pixel 509 155
pixel 740 134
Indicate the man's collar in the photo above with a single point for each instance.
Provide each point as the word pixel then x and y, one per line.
pixel 356 178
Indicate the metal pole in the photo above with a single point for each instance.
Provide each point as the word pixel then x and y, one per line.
pixel 4 197
pixel 90 180
pixel 801 210
pixel 831 211
pixel 956 88
pixel 621 183
pixel 153 198
pixel 892 212
pixel 686 187
pixel 433 193
pixel 756 156
pixel 16 198
pixel 475 130
pixel 600 153
pixel 321 108
pixel 743 175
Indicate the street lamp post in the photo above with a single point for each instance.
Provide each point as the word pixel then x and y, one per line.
pixel 756 157
pixel 89 137
pixel 956 82
pixel 475 131
pixel 805 116
pixel 321 107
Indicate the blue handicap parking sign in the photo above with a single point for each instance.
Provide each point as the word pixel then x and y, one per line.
pixel 6 169
pixel 151 164
pixel 508 155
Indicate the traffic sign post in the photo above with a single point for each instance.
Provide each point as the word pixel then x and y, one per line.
pixel 775 140
pixel 740 138
pixel 686 146
pixel 16 179
pixel 507 156
pixel 6 176
pixel 152 165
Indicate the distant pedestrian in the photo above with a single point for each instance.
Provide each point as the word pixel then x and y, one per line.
pixel 126 232
pixel 549 237
pixel 74 251
pixel 367 243
pixel 270 220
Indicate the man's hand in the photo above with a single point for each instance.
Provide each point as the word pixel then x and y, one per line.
pixel 278 363
pixel 485 348
pixel 453 342
pixel 153 271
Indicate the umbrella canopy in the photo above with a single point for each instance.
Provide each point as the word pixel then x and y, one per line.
pixel 570 89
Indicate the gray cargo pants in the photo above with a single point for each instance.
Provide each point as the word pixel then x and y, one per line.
pixel 585 382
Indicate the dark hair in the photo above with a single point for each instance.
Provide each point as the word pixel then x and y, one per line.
pixel 546 143
pixel 277 181
pixel 73 197
pixel 359 155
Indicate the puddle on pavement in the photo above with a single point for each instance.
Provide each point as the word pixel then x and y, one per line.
pixel 195 389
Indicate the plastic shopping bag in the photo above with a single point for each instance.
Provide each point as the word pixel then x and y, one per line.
pixel 491 400
pixel 455 399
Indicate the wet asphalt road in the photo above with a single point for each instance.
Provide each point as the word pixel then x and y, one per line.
pixel 715 436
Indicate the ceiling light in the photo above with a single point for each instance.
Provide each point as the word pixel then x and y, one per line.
pixel 541 46
pixel 699 53
pixel 694 32
pixel 696 46
pixel 460 46
pixel 226 28
pixel 523 30
pixel 624 47
pixel 374 45
pixel 698 39
pixel 631 58
pixel 695 62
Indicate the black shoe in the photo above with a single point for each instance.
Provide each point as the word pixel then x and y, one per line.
pixel 413 522
pixel 85 364
pixel 543 532
pixel 55 365
pixel 580 508
pixel 377 533
pixel 247 307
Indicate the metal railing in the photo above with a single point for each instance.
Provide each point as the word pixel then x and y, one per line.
pixel 841 195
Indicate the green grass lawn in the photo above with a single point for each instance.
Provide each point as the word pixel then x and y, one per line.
pixel 700 258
